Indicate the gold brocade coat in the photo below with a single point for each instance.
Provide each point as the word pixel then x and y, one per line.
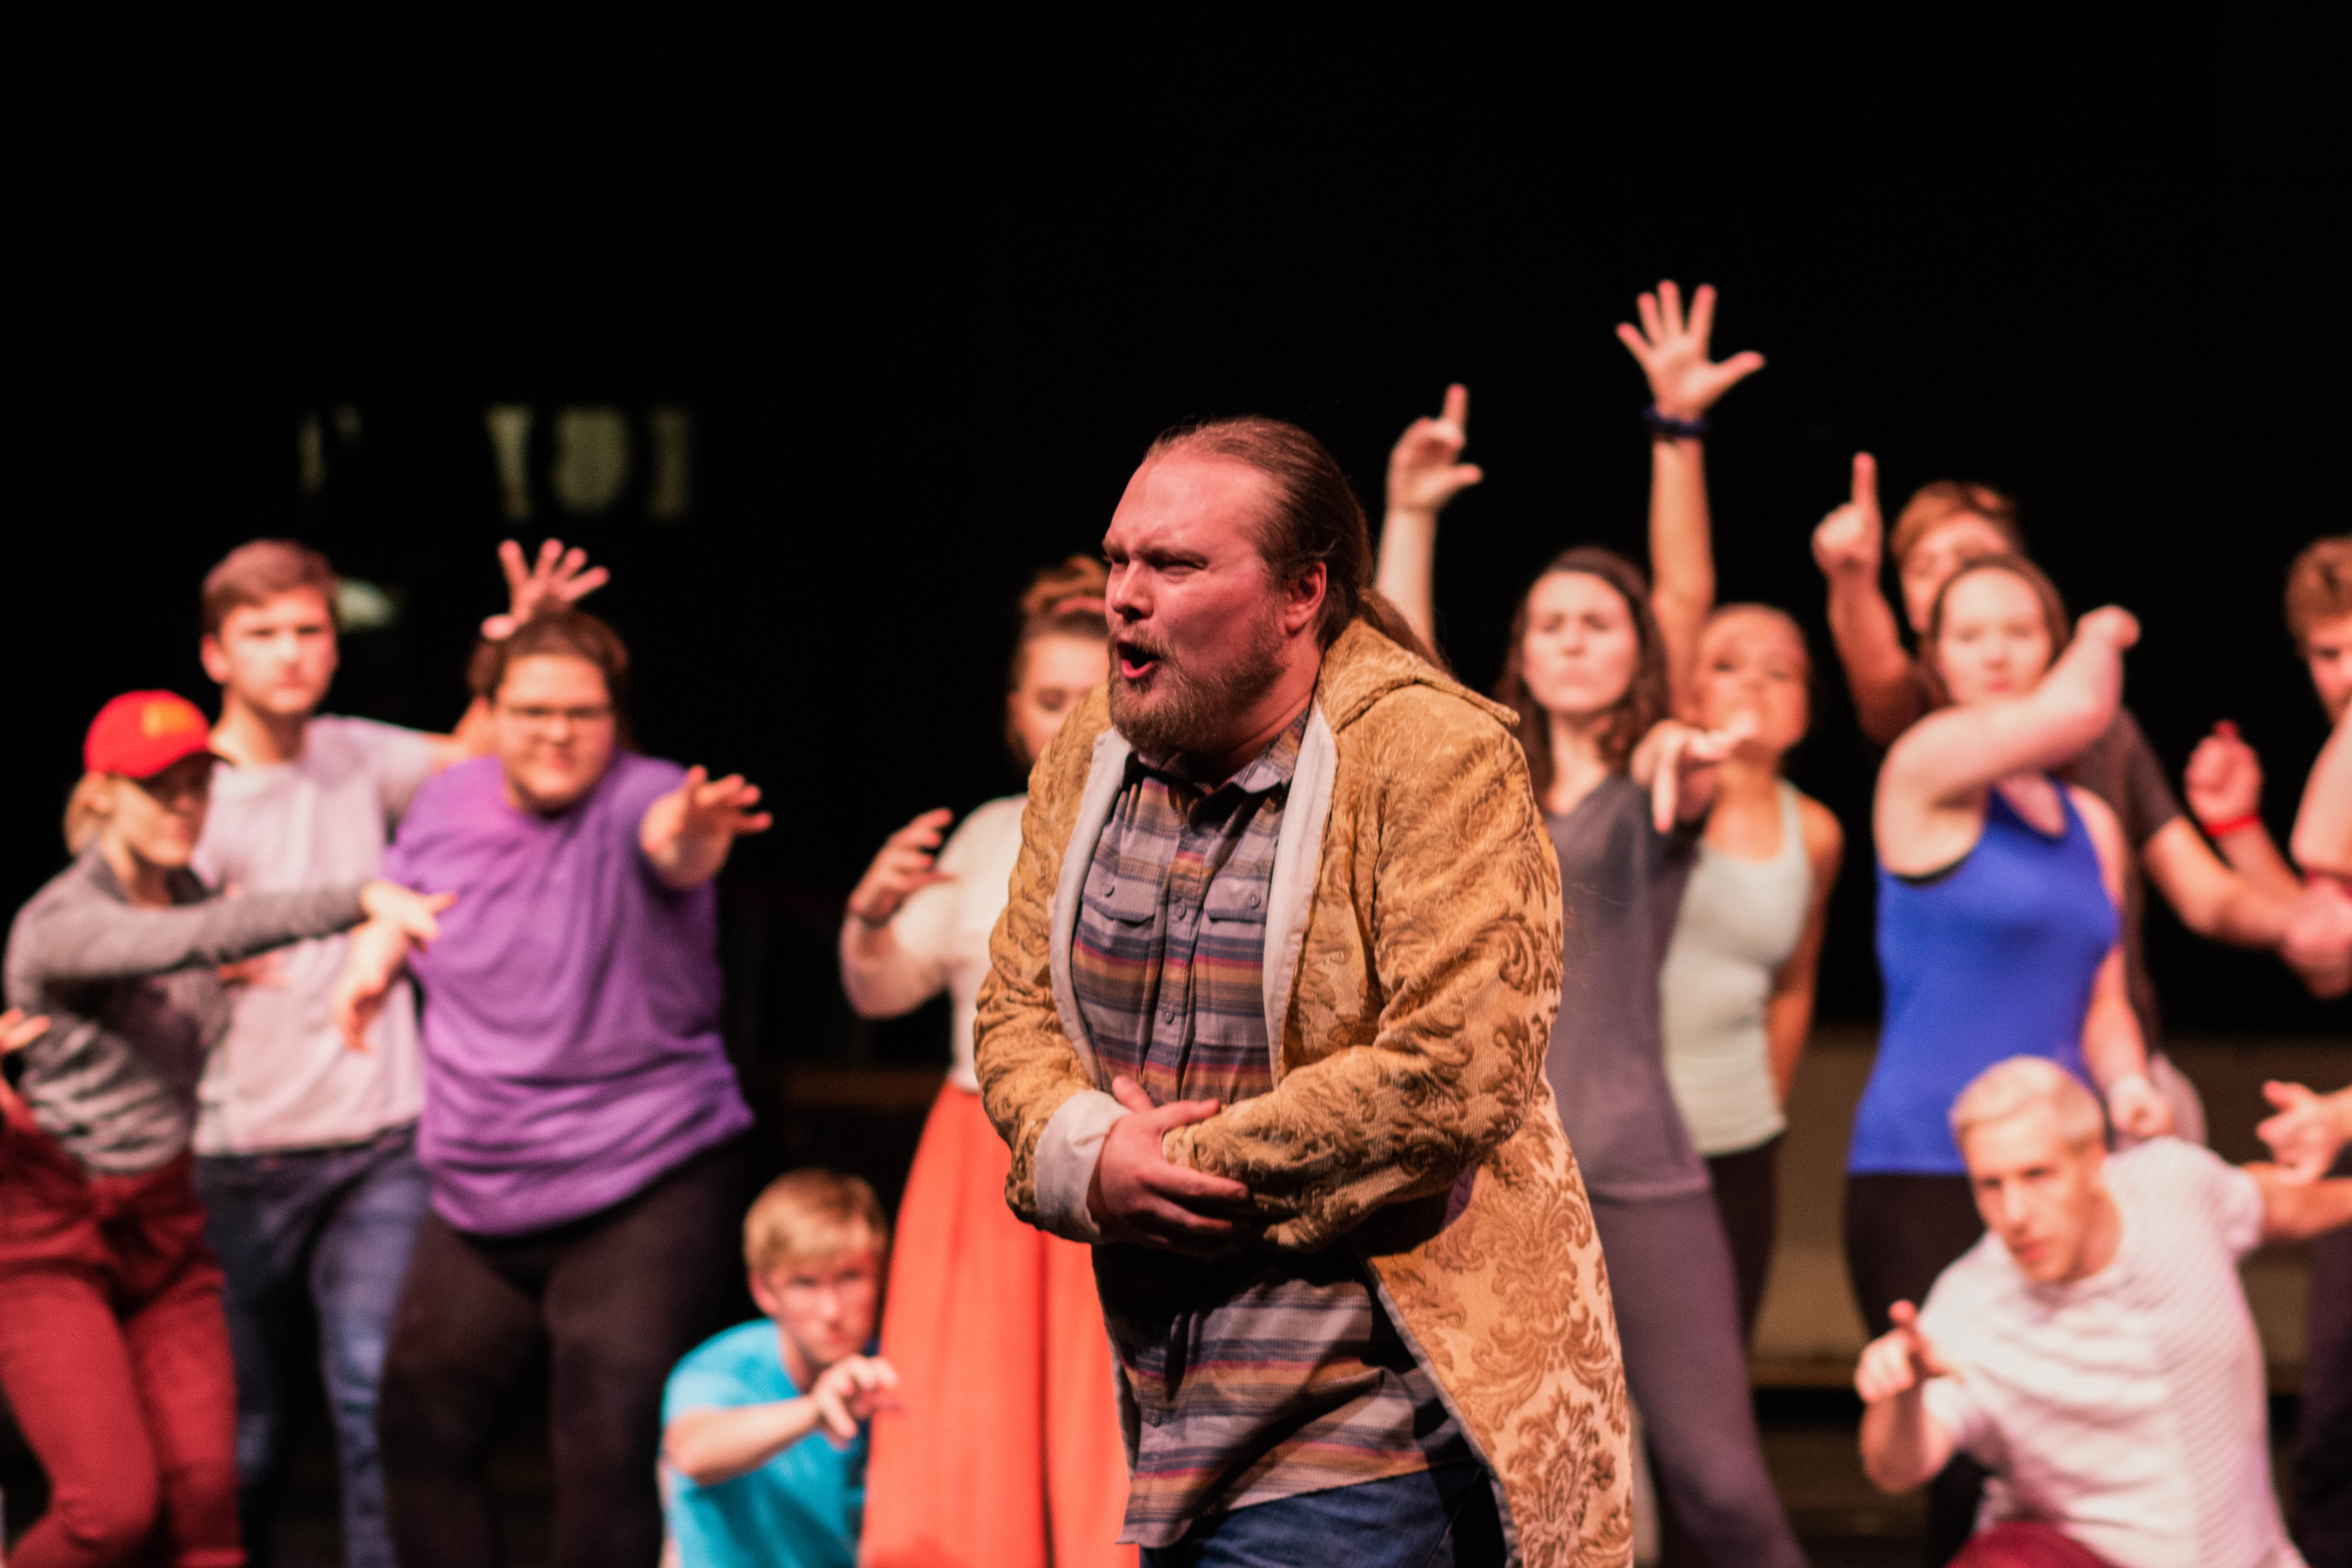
pixel 1412 969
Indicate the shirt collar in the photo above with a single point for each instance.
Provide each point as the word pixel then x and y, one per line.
pixel 1268 771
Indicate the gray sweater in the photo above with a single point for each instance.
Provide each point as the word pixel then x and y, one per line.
pixel 134 1001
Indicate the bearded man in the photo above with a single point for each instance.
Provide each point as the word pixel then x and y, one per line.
pixel 1267 1027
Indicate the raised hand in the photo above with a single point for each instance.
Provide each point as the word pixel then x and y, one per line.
pixel 2223 780
pixel 1139 1195
pixel 688 833
pixel 903 865
pixel 1424 467
pixel 1671 351
pixel 1851 540
pixel 848 1393
pixel 1898 1361
pixel 409 913
pixel 558 577
pixel 2306 1133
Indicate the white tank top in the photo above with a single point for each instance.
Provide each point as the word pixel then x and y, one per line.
pixel 1739 922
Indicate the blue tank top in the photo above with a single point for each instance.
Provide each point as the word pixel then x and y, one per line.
pixel 1991 960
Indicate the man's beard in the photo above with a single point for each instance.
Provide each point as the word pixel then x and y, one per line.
pixel 1178 709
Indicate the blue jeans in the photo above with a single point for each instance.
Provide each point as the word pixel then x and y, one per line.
pixel 1444 1518
pixel 323 1234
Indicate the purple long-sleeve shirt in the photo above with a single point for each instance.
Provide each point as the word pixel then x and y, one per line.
pixel 570 1024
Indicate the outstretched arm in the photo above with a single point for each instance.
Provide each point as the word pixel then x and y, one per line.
pixel 2323 825
pixel 2297 1211
pixel 1425 472
pixel 688 833
pixel 1901 1444
pixel 1883 677
pixel 883 974
pixel 2114 1050
pixel 1683 384
pixel 558 577
pixel 1949 756
pixel 714 1443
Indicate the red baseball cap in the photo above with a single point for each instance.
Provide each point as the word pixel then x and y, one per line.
pixel 141 734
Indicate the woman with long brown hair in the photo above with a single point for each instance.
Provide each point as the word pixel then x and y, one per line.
pixel 1007 1450
pixel 1592 668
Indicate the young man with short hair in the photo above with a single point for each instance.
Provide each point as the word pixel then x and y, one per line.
pixel 2095 1350
pixel 764 1426
pixel 306 1150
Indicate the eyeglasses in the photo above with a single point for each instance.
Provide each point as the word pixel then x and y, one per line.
pixel 548 718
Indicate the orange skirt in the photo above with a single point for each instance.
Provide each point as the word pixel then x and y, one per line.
pixel 1006 1452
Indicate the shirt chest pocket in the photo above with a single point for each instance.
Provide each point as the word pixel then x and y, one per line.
pixel 1131 903
pixel 1235 908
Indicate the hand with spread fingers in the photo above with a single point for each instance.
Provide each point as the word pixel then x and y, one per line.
pixel 2308 1130
pixel 902 867
pixel 1671 351
pixel 558 577
pixel 688 833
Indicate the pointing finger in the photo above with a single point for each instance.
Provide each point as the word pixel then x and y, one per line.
pixel 1866 480
pixel 1457 406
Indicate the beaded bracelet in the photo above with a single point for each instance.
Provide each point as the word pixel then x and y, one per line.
pixel 1672 429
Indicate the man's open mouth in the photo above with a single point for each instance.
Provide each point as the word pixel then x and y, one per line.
pixel 1136 661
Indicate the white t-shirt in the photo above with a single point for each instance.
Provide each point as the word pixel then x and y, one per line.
pixel 282 1077
pixel 943 930
pixel 2127 1409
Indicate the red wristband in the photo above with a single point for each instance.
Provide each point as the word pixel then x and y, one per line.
pixel 2223 829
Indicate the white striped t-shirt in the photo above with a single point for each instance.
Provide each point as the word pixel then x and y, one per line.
pixel 2129 1408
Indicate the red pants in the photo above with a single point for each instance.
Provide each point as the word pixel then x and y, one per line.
pixel 114 1354
pixel 2016 1545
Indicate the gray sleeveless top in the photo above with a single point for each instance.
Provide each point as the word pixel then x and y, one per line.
pixel 1739 922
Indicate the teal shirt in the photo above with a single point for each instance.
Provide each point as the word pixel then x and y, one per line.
pixel 801 1509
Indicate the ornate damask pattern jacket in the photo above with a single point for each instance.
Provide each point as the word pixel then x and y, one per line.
pixel 1412 969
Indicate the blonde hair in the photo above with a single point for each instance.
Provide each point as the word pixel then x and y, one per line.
pixel 806 1215
pixel 2319 587
pixel 2019 1084
pixel 83 816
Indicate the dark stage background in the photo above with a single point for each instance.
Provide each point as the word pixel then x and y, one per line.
pixel 923 340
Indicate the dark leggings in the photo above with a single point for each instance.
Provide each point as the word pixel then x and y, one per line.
pixel 2323 1442
pixel 612 1301
pixel 1677 1320
pixel 1901 1231
pixel 1747 1184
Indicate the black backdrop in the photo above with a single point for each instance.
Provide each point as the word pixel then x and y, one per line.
pixel 926 327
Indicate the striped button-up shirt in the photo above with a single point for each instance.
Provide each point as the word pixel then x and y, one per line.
pixel 1267 1375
